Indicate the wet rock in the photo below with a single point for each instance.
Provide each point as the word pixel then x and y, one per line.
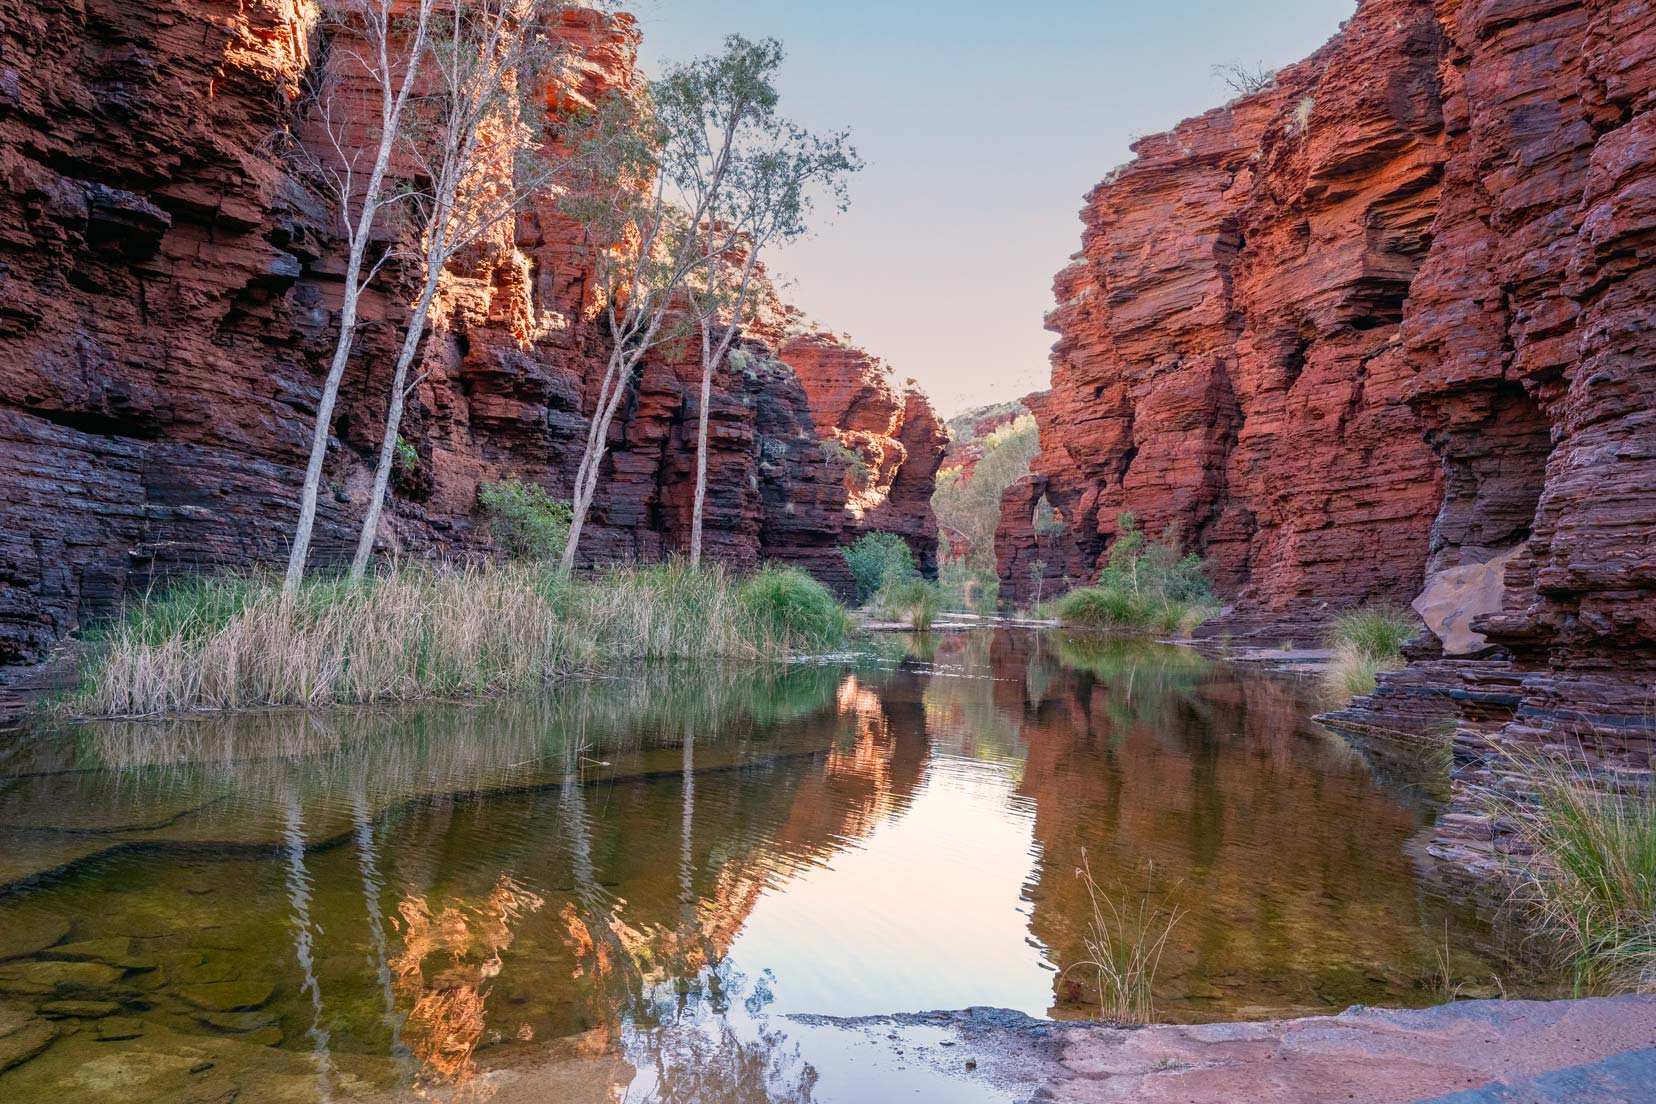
pixel 22 1034
pixel 227 996
pixel 115 951
pixel 40 978
pixel 116 1029
pixel 237 1021
pixel 28 934
pixel 79 1009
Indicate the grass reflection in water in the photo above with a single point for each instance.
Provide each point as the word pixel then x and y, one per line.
pixel 633 884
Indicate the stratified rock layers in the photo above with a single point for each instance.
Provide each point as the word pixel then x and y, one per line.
pixel 1228 358
pixel 1385 319
pixel 169 296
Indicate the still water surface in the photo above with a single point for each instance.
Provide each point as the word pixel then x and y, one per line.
pixel 628 891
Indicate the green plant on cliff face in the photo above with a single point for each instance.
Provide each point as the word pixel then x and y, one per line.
pixel 527 522
pixel 857 471
pixel 1365 642
pixel 408 458
pixel 1591 886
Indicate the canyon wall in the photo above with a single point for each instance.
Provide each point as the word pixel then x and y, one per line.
pixel 1382 331
pixel 169 297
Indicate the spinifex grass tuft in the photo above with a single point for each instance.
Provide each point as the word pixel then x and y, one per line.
pixel 236 643
pixel 1591 888
pixel 1366 641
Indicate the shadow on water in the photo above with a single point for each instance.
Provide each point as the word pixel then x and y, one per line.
pixel 628 890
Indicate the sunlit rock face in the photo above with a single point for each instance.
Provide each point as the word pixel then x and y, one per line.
pixel 1384 321
pixel 1227 358
pixel 169 298
pixel 884 433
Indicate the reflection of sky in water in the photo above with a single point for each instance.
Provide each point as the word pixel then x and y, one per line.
pixel 627 891
pixel 859 935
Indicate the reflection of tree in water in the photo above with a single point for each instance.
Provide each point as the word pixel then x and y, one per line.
pixel 447 1017
pixel 715 1064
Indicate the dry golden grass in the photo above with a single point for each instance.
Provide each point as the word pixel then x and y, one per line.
pixel 237 643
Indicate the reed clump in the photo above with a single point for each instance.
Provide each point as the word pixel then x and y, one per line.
pixel 1365 642
pixel 1125 941
pixel 235 643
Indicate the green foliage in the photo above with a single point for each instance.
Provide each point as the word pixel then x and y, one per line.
pixel 1365 642
pixel 878 560
pixel 1147 586
pixel 784 603
pixel 1592 887
pixel 856 468
pixel 1047 521
pixel 1377 632
pixel 971 507
pixel 408 458
pixel 968 588
pixel 912 599
pixel 526 520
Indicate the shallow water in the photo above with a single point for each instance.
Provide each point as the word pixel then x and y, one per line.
pixel 629 891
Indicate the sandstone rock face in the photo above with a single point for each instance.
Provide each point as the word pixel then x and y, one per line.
pixel 1389 319
pixel 169 294
pixel 886 436
pixel 1228 358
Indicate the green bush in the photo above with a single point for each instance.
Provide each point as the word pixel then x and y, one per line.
pixel 1147 586
pixel 785 604
pixel 527 522
pixel 878 560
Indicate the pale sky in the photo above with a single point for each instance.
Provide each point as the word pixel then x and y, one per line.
pixel 983 124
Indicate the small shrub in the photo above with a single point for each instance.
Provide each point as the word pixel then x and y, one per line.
pixel 527 522
pixel 408 458
pixel 1146 586
pixel 878 560
pixel 913 600
pixel 857 471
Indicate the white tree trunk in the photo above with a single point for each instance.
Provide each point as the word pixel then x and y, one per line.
pixel 393 423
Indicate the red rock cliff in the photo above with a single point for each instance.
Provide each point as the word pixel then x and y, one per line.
pixel 1228 359
pixel 1382 331
pixel 168 301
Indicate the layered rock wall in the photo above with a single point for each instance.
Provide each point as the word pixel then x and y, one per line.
pixel 169 297
pixel 1228 359
pixel 1382 331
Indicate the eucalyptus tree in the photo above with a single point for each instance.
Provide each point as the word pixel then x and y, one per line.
pixel 644 248
pixel 718 178
pixel 476 140
pixel 757 177
pixel 393 38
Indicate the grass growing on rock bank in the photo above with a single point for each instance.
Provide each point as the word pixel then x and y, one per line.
pixel 1147 587
pixel 1365 642
pixel 1590 888
pixel 233 642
